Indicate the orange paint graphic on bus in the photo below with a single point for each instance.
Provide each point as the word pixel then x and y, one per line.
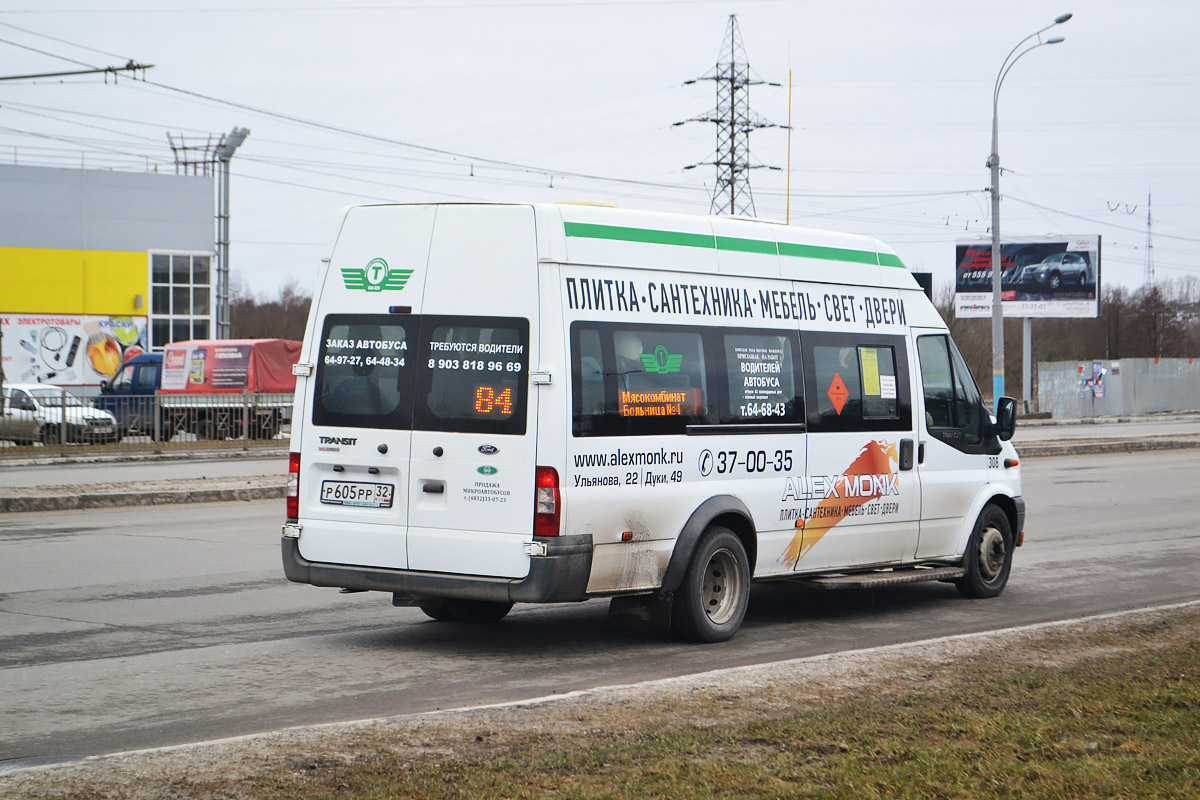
pixel 875 460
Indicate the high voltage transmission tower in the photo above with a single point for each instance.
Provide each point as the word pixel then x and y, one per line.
pixel 734 121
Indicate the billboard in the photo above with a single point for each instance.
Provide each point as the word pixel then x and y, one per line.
pixel 206 366
pixel 75 350
pixel 1053 277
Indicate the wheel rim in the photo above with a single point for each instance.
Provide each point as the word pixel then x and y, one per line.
pixel 722 587
pixel 992 554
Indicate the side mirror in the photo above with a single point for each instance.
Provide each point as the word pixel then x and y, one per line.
pixel 104 385
pixel 1006 418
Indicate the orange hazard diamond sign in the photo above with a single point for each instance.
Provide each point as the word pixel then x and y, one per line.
pixel 838 393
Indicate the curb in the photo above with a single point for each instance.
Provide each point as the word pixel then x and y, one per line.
pixel 210 454
pixel 1061 448
pixel 272 488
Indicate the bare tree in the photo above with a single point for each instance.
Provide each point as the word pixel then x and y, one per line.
pixel 281 318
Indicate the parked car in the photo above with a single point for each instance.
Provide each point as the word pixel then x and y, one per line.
pixel 1057 270
pixel 35 412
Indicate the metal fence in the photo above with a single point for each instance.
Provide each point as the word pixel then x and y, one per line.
pixel 1078 389
pixel 37 420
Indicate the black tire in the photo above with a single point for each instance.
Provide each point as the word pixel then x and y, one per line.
pixel 49 434
pixel 711 602
pixel 479 612
pixel 436 610
pixel 988 559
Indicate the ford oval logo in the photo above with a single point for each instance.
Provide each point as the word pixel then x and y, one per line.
pixel 488 449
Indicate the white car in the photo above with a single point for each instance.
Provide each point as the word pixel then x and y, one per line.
pixel 34 412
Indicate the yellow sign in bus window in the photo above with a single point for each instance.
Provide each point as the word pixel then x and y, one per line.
pixel 870 370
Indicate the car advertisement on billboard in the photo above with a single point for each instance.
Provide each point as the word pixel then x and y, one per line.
pixel 74 350
pixel 1054 277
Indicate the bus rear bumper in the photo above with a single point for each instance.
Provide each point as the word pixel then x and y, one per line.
pixel 559 576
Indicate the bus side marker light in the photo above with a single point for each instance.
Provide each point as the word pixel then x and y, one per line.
pixel 626 536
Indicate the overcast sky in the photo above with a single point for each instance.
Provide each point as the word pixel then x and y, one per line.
pixel 891 108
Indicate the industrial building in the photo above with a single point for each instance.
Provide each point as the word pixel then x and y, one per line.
pixel 97 266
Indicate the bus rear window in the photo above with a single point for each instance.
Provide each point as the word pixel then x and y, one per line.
pixel 364 372
pixel 473 374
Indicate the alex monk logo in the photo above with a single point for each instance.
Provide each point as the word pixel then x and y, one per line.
pixel 376 277
pixel 661 361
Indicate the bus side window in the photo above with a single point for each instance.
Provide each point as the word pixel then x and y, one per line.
pixel 856 382
pixel 591 376
pixel 952 401
pixel 937 381
pixel 637 380
pixel 763 378
pixel 968 404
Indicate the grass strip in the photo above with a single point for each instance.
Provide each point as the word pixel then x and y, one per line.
pixel 1111 724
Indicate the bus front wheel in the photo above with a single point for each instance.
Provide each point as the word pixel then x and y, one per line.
pixel 989 555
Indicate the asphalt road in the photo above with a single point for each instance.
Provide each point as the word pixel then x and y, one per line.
pixel 137 628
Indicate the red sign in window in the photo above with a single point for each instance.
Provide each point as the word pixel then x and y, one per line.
pixel 838 393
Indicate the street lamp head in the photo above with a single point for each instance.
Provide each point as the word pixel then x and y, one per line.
pixel 1059 20
pixel 1056 40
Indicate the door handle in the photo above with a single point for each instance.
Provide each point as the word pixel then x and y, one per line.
pixel 433 488
pixel 906 454
pixel 921 453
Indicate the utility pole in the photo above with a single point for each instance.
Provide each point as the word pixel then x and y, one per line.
pixel 224 153
pixel 1149 276
pixel 211 156
pixel 734 121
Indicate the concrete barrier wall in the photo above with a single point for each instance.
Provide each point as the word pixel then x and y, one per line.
pixel 1131 386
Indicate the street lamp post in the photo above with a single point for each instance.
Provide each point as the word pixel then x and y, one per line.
pixel 993 163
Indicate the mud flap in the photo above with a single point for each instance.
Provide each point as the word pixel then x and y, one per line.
pixel 652 610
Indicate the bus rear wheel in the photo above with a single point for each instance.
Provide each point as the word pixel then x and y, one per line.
pixel 436 610
pixel 477 611
pixel 711 602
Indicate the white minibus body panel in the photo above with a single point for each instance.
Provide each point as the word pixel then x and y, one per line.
pixel 554 402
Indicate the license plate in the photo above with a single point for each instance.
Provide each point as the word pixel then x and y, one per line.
pixel 103 429
pixel 349 493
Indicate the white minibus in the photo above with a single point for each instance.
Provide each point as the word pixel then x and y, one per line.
pixel 548 403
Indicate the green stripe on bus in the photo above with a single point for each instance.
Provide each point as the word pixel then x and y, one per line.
pixel 828 253
pixel 746 245
pixel 586 230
